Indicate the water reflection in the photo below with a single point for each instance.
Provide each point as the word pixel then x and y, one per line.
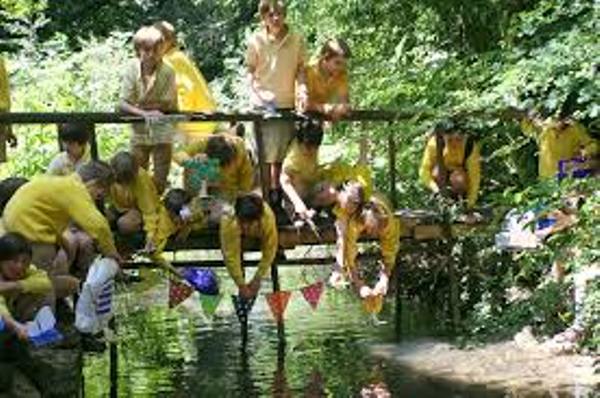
pixel 325 353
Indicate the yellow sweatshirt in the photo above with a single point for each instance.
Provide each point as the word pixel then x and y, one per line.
pixel 35 282
pixel 237 177
pixel 141 195
pixel 389 237
pixel 339 172
pixel 193 92
pixel 301 165
pixel 231 244
pixel 555 144
pixel 453 160
pixel 42 209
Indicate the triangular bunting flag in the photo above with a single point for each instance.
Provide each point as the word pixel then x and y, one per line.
pixel 278 302
pixel 373 304
pixel 313 293
pixel 242 307
pixel 209 304
pixel 178 292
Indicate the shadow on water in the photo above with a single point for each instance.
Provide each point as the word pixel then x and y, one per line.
pixel 182 353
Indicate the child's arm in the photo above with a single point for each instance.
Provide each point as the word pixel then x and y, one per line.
pixel 474 174
pixel 427 165
pixel 251 65
pixel 287 184
pixel 128 103
pixel 231 247
pixel 268 246
pixel 302 94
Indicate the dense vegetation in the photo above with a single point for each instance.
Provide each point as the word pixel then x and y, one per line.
pixel 451 58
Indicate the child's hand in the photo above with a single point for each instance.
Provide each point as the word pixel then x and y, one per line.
pixel 365 291
pixel 19 330
pixel 153 113
pixel 246 292
pixel 150 247
pixel 381 288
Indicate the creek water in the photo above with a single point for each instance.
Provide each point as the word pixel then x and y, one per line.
pixel 327 352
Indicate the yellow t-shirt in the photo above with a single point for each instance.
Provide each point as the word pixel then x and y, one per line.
pixel 389 237
pixel 231 243
pixel 193 92
pixel 323 89
pixel 35 282
pixel 453 160
pixel 237 177
pixel 556 144
pixel 276 65
pixel 141 195
pixel 42 209
pixel 301 165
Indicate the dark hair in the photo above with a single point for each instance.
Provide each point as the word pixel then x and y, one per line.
pixel 309 132
pixel 335 48
pixel 249 207
pixel 267 5
pixel 78 132
pixel 124 167
pixel 13 245
pixel 218 147
pixel 175 199
pixel 97 170
pixel 8 188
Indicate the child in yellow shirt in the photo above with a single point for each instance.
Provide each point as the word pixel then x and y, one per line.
pixel 376 220
pixel 236 174
pixel 252 219
pixel 452 161
pixel 24 289
pixel 149 90
pixel 327 80
pixel 74 139
pixel 193 92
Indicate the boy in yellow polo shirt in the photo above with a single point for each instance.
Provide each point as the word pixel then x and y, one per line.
pixel 236 175
pixel 275 60
pixel 24 289
pixel 253 218
pixel 149 90
pixel 327 80
pixel 193 92
pixel 558 140
pixel 452 161
pixel 300 171
pixel 6 134
pixel 134 198
pixel 74 139
pixel 42 209
pixel 376 220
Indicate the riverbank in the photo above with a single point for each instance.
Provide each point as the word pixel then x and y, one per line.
pixel 520 367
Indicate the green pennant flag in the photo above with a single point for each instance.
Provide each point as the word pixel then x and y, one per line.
pixel 210 304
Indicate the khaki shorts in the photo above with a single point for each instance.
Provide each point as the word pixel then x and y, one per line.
pixel 277 136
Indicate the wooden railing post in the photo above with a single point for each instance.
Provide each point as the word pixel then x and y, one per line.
pixel 392 167
pixel 93 142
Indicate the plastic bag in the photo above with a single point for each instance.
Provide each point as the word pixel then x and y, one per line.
pixel 94 307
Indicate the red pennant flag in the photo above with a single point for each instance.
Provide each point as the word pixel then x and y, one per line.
pixel 278 302
pixel 313 293
pixel 178 292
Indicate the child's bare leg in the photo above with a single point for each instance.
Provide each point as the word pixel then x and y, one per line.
pixel 142 155
pixel 43 256
pixel 459 182
pixel 161 156
pixel 130 222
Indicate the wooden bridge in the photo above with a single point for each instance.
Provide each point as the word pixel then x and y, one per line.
pixel 416 225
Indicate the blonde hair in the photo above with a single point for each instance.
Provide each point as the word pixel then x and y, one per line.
pixel 167 29
pixel 374 213
pixel 267 5
pixel 335 48
pixel 148 35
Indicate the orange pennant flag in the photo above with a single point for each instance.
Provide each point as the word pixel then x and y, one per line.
pixel 278 302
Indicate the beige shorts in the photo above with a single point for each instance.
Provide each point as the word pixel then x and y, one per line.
pixel 277 136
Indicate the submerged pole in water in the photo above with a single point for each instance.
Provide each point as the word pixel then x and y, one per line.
pixel 113 361
pixel 398 309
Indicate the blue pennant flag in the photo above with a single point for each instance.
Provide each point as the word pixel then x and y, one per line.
pixel 242 307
